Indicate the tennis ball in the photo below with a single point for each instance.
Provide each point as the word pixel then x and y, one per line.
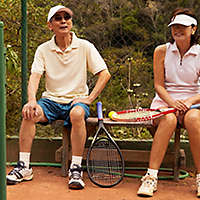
pixel 111 113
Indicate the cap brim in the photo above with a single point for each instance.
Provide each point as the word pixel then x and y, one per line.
pixel 184 20
pixel 67 10
pixel 181 23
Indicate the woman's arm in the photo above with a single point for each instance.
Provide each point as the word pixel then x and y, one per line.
pixel 159 74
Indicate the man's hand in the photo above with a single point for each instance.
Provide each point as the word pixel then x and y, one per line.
pixel 30 110
pixel 82 100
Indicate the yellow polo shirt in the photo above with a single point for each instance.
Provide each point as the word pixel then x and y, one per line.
pixel 66 72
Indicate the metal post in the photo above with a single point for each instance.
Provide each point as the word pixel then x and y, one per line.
pixel 24 51
pixel 2 118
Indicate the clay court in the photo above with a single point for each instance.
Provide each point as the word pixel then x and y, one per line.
pixel 48 184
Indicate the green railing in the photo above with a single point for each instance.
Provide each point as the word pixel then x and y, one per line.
pixel 24 50
pixel 2 117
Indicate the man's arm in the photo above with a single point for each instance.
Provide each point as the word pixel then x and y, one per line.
pixel 103 78
pixel 31 108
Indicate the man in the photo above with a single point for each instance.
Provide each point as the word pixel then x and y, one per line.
pixel 65 60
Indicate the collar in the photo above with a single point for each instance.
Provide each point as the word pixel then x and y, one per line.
pixel 193 49
pixel 74 43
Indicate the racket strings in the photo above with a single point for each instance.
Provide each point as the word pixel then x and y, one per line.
pixel 138 114
pixel 105 163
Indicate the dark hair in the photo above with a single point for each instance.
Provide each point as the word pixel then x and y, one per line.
pixel 189 12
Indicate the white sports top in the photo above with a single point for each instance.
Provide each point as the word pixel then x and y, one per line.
pixel 181 75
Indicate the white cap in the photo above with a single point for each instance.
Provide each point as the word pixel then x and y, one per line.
pixel 183 19
pixel 56 9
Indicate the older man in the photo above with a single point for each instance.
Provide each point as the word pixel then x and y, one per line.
pixel 65 60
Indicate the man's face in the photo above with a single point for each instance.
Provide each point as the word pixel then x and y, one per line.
pixel 61 23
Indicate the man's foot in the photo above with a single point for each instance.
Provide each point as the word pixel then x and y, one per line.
pixel 19 173
pixel 75 178
pixel 148 187
pixel 198 186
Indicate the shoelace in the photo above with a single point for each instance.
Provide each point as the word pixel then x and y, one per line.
pixel 20 166
pixel 149 180
pixel 76 172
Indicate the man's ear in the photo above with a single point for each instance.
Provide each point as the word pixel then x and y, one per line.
pixel 50 26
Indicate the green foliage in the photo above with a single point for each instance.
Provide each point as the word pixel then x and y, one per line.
pixel 124 31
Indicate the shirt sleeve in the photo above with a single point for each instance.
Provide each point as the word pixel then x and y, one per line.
pixel 95 62
pixel 38 65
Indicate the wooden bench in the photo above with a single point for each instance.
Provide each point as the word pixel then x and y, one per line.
pixel 63 154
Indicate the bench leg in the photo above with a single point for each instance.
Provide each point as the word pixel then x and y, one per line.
pixel 65 151
pixel 177 154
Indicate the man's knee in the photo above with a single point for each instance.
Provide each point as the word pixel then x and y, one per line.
pixel 77 113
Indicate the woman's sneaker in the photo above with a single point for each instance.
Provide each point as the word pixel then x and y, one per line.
pixel 75 177
pixel 198 186
pixel 148 187
pixel 19 173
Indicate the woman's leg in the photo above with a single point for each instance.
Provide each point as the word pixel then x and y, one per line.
pixel 166 127
pixel 192 125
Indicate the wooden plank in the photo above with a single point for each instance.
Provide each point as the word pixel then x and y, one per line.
pixel 137 156
pixel 109 122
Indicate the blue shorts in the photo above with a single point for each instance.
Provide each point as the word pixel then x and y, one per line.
pixel 55 111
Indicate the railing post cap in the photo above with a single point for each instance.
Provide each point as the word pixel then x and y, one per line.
pixel 1 24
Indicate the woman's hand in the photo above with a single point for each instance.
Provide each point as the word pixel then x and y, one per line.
pixel 181 106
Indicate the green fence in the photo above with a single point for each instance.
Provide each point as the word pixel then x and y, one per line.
pixel 2 118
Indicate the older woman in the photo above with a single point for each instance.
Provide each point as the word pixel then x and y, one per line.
pixel 176 81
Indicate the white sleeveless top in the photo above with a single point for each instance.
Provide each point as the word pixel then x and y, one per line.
pixel 181 76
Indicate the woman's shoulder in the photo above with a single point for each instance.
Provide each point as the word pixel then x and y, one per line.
pixel 161 49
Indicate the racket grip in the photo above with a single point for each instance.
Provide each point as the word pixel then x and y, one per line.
pixel 99 111
pixel 195 106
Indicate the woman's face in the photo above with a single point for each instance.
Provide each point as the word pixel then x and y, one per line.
pixel 182 33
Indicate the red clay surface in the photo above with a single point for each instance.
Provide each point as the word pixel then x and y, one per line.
pixel 49 185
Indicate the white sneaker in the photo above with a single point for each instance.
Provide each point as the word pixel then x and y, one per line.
pixel 19 173
pixel 148 187
pixel 198 186
pixel 75 178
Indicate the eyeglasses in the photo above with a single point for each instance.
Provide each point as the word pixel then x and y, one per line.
pixel 59 17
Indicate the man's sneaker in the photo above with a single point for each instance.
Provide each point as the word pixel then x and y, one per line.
pixel 75 177
pixel 198 186
pixel 19 173
pixel 148 187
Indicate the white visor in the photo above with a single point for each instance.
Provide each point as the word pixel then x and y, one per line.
pixel 182 19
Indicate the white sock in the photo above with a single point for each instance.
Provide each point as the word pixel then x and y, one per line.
pixel 77 160
pixel 198 176
pixel 25 157
pixel 152 172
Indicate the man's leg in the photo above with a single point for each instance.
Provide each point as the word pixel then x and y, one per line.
pixel 27 133
pixel 78 139
pixel 78 130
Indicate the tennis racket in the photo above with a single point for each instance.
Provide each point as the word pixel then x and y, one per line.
pixel 142 114
pixel 105 164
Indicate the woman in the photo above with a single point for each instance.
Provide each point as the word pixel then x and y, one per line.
pixel 176 81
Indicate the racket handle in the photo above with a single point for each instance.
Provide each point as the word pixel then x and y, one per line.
pixel 195 106
pixel 99 111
